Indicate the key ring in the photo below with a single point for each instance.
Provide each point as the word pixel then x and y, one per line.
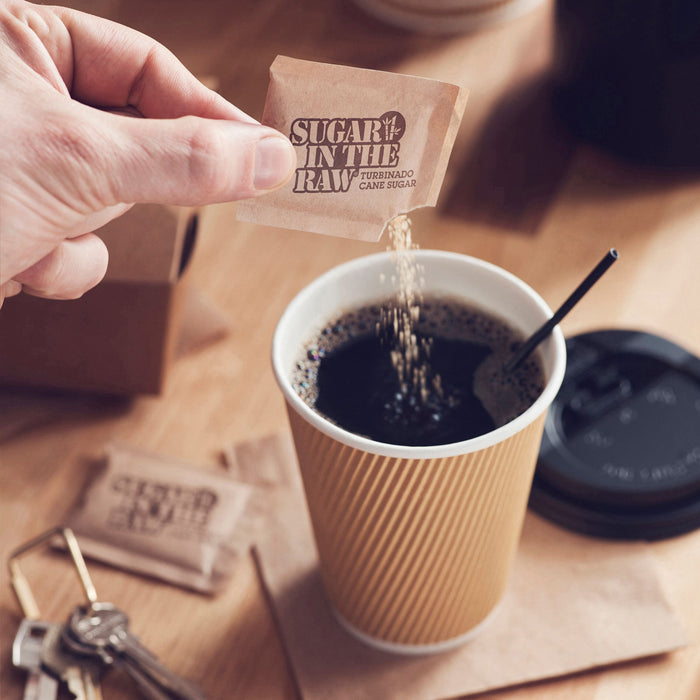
pixel 19 581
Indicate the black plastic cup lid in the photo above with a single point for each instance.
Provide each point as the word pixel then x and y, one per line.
pixel 620 455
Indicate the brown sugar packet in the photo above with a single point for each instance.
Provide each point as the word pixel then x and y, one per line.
pixel 154 516
pixel 370 145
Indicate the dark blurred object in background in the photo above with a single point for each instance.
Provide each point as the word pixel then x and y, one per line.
pixel 627 76
pixel 446 16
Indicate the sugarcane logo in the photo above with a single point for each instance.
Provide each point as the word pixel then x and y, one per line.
pixel 336 149
pixel 392 130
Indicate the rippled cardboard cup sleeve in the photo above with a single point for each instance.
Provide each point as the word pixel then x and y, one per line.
pixel 171 521
pixel 370 145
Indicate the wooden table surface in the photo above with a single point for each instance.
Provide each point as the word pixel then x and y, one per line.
pixel 520 192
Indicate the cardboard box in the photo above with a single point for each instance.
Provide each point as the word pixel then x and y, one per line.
pixel 120 336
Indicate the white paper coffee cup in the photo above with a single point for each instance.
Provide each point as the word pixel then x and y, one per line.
pixel 446 16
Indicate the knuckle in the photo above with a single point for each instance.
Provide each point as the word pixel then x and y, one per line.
pixel 205 158
pixel 154 55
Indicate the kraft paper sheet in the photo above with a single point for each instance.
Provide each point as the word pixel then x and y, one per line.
pixel 573 604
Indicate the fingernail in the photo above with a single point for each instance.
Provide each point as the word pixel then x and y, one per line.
pixel 274 159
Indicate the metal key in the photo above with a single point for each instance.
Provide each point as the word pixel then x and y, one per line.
pixel 26 654
pixel 102 630
pixel 19 581
pixel 146 685
pixel 80 673
pixel 40 684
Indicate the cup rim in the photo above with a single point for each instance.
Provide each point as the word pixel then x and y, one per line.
pixel 534 411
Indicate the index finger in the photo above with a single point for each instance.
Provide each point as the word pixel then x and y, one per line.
pixel 115 66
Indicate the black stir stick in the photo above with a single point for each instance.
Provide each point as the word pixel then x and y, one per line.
pixel 541 333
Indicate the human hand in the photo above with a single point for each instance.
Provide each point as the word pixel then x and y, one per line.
pixel 68 164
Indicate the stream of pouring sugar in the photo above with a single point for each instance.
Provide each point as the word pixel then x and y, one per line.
pixel 409 355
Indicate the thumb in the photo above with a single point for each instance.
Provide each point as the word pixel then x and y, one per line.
pixel 195 161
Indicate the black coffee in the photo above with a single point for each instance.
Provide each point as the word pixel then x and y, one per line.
pixel 458 390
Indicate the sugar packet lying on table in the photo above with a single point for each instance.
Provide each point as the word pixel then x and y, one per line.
pixel 152 515
pixel 370 145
